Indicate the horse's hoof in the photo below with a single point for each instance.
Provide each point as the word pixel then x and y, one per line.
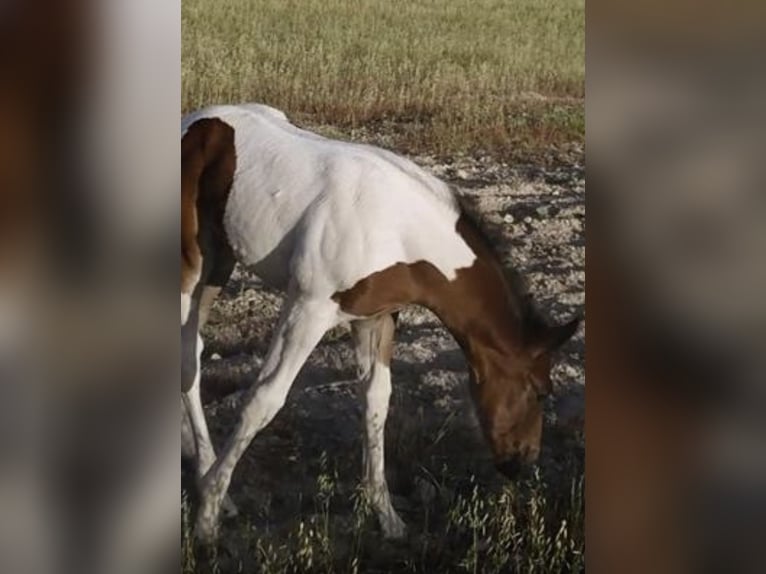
pixel 393 528
pixel 229 509
pixel 206 533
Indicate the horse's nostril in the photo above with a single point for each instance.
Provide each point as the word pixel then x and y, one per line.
pixel 510 467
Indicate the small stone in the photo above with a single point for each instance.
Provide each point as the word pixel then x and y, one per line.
pixel 508 218
pixel 215 357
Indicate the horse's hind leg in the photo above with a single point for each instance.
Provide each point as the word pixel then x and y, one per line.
pixel 215 281
pixel 204 452
pixel 206 300
pixel 373 342
pixel 200 442
pixel 203 445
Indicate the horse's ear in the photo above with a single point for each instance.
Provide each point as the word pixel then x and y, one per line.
pixel 552 338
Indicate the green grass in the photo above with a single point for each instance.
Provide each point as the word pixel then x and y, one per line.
pixel 438 76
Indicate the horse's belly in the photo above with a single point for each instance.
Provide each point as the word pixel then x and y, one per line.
pixel 261 232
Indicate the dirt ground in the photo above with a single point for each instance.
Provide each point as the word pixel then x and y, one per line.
pixel 432 435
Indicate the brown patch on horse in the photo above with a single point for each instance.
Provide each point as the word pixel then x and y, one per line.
pixel 208 162
pixel 484 289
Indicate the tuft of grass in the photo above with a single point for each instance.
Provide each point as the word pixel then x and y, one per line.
pixel 188 559
pixel 513 531
pixel 439 76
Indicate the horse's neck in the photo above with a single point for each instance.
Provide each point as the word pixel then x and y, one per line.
pixel 482 312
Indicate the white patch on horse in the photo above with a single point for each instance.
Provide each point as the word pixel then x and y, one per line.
pixel 375 382
pixel 330 213
pixel 186 299
pixel 185 308
pixel 204 451
pixel 302 324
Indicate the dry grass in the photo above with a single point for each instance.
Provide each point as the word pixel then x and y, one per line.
pixel 532 527
pixel 441 76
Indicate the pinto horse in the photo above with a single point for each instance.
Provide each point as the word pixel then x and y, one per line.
pixel 351 233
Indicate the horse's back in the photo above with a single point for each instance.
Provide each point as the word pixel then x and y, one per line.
pixel 328 212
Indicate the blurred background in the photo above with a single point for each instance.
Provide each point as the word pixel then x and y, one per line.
pixel 89 445
pixel 90 98
pixel 488 96
pixel 677 214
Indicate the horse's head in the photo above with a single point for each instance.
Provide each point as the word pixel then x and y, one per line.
pixel 510 395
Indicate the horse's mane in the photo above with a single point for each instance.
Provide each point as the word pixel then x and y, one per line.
pixel 532 321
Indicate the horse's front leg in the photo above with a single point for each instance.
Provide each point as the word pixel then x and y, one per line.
pixel 373 341
pixel 302 324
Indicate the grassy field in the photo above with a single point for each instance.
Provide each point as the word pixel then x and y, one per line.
pixel 439 76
